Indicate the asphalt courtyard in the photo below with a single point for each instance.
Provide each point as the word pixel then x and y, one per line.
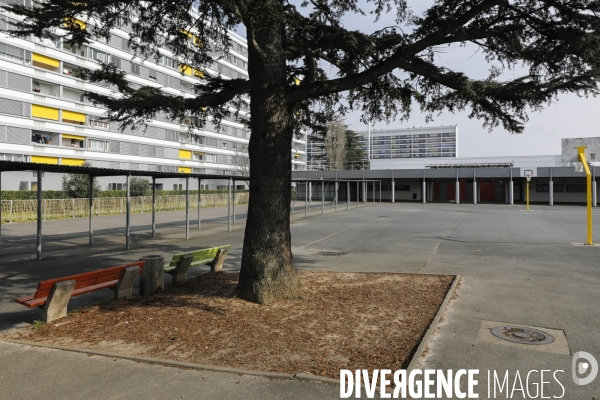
pixel 517 267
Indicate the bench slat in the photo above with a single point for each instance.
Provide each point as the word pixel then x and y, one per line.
pixel 206 261
pixel 199 255
pixel 84 279
pixel 31 302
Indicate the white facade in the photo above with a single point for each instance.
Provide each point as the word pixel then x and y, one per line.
pixel 44 117
pixel 412 143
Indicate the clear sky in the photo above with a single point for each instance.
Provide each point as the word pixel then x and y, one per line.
pixel 570 116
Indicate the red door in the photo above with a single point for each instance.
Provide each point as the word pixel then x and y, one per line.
pixel 487 189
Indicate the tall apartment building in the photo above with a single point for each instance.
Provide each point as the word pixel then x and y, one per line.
pixel 44 117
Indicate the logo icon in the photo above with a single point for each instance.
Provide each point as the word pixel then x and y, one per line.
pixel 584 363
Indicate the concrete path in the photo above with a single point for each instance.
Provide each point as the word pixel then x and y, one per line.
pixel 518 268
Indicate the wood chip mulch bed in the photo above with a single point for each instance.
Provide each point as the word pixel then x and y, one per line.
pixel 343 321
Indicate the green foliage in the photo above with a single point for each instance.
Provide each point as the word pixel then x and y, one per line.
pixel 32 194
pixel 354 150
pixel 138 186
pixel 78 185
pixel 39 325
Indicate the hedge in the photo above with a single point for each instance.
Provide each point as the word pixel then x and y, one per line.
pixel 59 194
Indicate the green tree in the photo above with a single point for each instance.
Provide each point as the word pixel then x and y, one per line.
pixel 78 185
pixel 138 186
pixel 556 46
pixel 354 151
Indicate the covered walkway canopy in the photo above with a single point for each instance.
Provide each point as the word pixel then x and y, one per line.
pixel 8 166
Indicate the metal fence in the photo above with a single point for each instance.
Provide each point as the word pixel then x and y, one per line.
pixel 26 210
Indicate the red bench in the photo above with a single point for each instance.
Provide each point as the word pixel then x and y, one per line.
pixel 53 295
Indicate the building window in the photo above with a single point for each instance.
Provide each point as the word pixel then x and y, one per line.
pixel 24 185
pixel 14 157
pixel 168 62
pixel 98 122
pixel 224 145
pixel 97 55
pixel 210 157
pixel 96 144
pixel 576 188
pixel 543 188
pixel 135 69
pixel 177 186
pixel 403 188
pixel 117 186
pixel 558 188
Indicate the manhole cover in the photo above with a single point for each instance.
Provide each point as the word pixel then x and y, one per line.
pixel 332 253
pixel 522 335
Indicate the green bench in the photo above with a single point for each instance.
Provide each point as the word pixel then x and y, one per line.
pixel 180 263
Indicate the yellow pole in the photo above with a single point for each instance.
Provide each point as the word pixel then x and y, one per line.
pixel 527 195
pixel 588 175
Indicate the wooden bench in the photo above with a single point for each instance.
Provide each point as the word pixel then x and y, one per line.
pixel 53 295
pixel 180 263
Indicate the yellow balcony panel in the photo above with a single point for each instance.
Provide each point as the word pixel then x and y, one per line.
pixel 198 74
pixel 66 136
pixel 74 162
pixel 186 154
pixel 38 111
pixel 186 69
pixel 73 116
pixel 74 21
pixel 198 42
pixel 46 60
pixel 44 160
pixel 185 170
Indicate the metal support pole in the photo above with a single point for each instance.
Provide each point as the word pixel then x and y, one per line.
pixel 335 199
pixel 199 198
pixel 475 185
pixel 305 199
pixel 348 195
pixel 187 207
pixel 153 206
pixel 379 192
pixel 511 197
pixel 424 191
pixel 91 208
pixel 127 213
pixel 393 192
pixel 588 176
pixel 551 190
pixel 594 201
pixel 357 194
pixel 322 197
pixel 457 194
pixel 527 196
pixel 233 204
pixel 229 206
pixel 366 193
pixel 39 215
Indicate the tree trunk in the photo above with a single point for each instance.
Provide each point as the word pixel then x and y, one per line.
pixel 267 271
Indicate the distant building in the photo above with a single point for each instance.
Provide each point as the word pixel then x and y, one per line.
pixel 400 144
